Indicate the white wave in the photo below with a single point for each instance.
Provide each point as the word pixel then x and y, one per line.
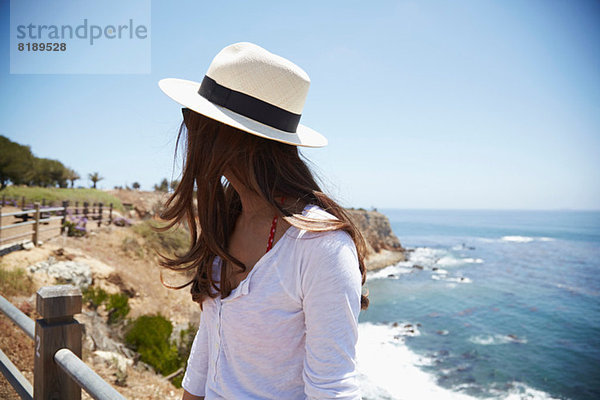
pixel 426 256
pixel 449 261
pixel 397 269
pixel 578 290
pixel 520 391
pixel 440 271
pixel 525 239
pixel 491 340
pixel 389 370
pixel 473 260
pixel 430 258
pixel 458 279
pixel 518 239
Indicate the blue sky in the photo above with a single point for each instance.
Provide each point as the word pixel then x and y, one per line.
pixel 426 104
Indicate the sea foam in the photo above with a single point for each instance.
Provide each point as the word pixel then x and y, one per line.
pixel 389 370
pixel 488 340
pixel 518 239
pixel 525 239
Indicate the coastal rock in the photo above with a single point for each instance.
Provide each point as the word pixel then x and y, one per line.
pixel 77 273
pixel 383 247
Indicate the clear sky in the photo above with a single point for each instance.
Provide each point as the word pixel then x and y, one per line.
pixel 426 104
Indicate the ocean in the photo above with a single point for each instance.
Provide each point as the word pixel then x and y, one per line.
pixel 490 305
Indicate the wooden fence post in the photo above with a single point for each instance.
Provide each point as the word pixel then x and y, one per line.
pixel 85 209
pixel 43 202
pixel 100 215
pixel 23 202
pixel 56 329
pixel 36 224
pixel 76 208
pixel 3 199
pixel 110 215
pixel 1 205
pixel 65 205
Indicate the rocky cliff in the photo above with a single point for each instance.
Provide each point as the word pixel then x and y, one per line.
pixel 383 247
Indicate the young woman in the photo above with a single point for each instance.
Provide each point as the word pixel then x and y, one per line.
pixel 278 265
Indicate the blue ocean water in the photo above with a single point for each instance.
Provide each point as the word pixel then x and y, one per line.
pixel 502 305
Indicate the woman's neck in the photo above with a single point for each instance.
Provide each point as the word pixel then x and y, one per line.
pixel 254 207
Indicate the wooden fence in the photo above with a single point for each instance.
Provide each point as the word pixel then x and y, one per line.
pixel 40 214
pixel 58 371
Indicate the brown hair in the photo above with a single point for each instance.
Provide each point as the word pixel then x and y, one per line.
pixel 269 168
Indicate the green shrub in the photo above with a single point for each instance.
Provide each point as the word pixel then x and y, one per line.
pixel 167 242
pixel 131 245
pixel 118 307
pixel 94 297
pixel 149 336
pixel 15 282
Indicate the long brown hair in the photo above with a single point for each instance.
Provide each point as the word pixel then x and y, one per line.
pixel 269 168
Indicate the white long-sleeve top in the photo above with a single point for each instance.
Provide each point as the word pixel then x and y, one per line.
pixel 289 329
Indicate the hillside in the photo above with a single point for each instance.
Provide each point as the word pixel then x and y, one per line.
pixel 120 260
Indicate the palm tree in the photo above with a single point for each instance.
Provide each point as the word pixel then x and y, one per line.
pixel 95 178
pixel 72 176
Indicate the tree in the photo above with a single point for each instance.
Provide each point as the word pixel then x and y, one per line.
pixel 16 163
pixel 174 184
pixel 95 178
pixel 72 176
pixel 163 187
pixel 135 185
pixel 48 173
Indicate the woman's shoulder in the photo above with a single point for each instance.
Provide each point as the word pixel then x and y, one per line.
pixel 323 239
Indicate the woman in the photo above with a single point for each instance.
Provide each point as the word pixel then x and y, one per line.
pixel 278 265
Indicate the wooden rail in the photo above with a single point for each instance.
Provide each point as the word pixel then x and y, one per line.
pixel 43 216
pixel 59 372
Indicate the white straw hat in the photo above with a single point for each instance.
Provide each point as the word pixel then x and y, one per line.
pixel 253 90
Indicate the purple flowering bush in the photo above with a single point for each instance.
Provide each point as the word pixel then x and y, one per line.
pixel 75 225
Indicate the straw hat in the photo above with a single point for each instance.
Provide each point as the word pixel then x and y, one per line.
pixel 253 90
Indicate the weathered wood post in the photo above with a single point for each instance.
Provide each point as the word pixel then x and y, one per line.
pixel 3 199
pixel 76 208
pixel 1 205
pixel 43 202
pixel 110 215
pixel 23 202
pixel 99 215
pixel 65 205
pixel 85 212
pixel 36 224
pixel 56 329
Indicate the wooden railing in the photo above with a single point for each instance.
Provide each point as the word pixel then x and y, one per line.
pixel 58 371
pixel 38 215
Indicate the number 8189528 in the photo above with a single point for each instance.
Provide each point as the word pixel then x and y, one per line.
pixel 42 46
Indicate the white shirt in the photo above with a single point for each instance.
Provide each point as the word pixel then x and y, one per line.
pixel 289 329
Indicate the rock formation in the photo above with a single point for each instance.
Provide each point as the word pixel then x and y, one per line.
pixel 383 247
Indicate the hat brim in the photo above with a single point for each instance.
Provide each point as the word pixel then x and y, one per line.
pixel 185 93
